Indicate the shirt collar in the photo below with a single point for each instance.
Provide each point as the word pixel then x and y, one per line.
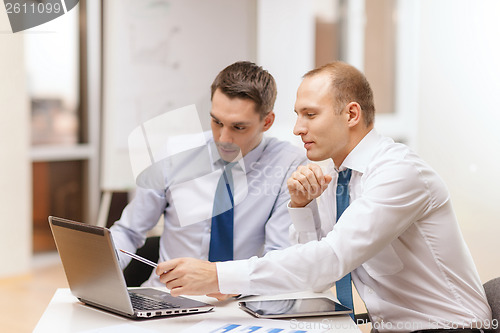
pixel 361 155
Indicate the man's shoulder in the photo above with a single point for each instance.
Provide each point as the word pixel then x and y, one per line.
pixel 278 149
pixel 390 151
pixel 399 159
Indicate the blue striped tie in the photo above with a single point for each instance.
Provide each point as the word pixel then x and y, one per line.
pixel 344 286
pixel 221 235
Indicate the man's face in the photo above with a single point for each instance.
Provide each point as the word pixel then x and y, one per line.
pixel 324 133
pixel 236 126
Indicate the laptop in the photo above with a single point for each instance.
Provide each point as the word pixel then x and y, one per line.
pixel 90 262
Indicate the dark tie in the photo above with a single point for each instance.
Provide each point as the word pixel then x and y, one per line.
pixel 344 287
pixel 221 235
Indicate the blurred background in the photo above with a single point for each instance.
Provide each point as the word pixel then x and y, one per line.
pixel 71 90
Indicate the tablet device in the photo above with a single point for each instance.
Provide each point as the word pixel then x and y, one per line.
pixel 295 307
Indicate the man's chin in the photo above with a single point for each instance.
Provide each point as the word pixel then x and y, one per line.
pixel 311 156
pixel 230 156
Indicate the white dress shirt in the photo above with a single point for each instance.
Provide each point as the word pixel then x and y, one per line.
pixel 399 237
pixel 261 219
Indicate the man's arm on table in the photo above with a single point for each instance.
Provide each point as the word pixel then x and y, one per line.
pixel 277 272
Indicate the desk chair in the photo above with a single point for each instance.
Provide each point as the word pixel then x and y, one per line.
pixel 492 289
pixel 361 318
pixel 137 272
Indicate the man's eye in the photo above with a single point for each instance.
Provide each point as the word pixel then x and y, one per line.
pixel 239 128
pixel 311 115
pixel 217 122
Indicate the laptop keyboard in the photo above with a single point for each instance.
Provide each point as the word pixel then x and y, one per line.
pixel 141 302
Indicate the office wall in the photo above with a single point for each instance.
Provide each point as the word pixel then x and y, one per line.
pixel 15 172
pixel 458 115
pixel 160 56
pixel 285 47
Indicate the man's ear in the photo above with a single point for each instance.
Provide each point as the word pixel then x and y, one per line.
pixel 268 121
pixel 355 114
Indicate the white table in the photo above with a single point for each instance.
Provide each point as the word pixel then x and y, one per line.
pixel 66 314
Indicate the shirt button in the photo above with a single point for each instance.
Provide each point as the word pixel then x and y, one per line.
pixel 370 291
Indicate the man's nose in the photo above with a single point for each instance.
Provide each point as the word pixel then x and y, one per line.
pixel 225 135
pixel 299 128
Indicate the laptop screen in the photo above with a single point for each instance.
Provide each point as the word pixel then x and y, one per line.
pixel 91 264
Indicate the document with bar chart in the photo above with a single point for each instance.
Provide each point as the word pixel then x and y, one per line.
pixel 256 326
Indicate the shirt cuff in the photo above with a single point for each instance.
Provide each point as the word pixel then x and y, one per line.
pixel 234 277
pixel 303 218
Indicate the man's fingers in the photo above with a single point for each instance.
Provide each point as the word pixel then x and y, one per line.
pixel 296 188
pixel 169 276
pixel 174 285
pixel 307 183
pixel 188 276
pixel 170 272
pixel 166 266
pixel 292 184
pixel 318 173
pixel 177 291
pixel 315 182
pixel 302 178
pixel 173 280
pixel 311 177
pixel 169 283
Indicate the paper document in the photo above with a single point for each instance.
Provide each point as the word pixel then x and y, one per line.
pixel 257 326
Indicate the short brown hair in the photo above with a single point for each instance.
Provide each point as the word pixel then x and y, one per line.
pixel 348 85
pixel 246 80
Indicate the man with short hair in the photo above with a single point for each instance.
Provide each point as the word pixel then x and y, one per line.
pixel 396 235
pixel 243 96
